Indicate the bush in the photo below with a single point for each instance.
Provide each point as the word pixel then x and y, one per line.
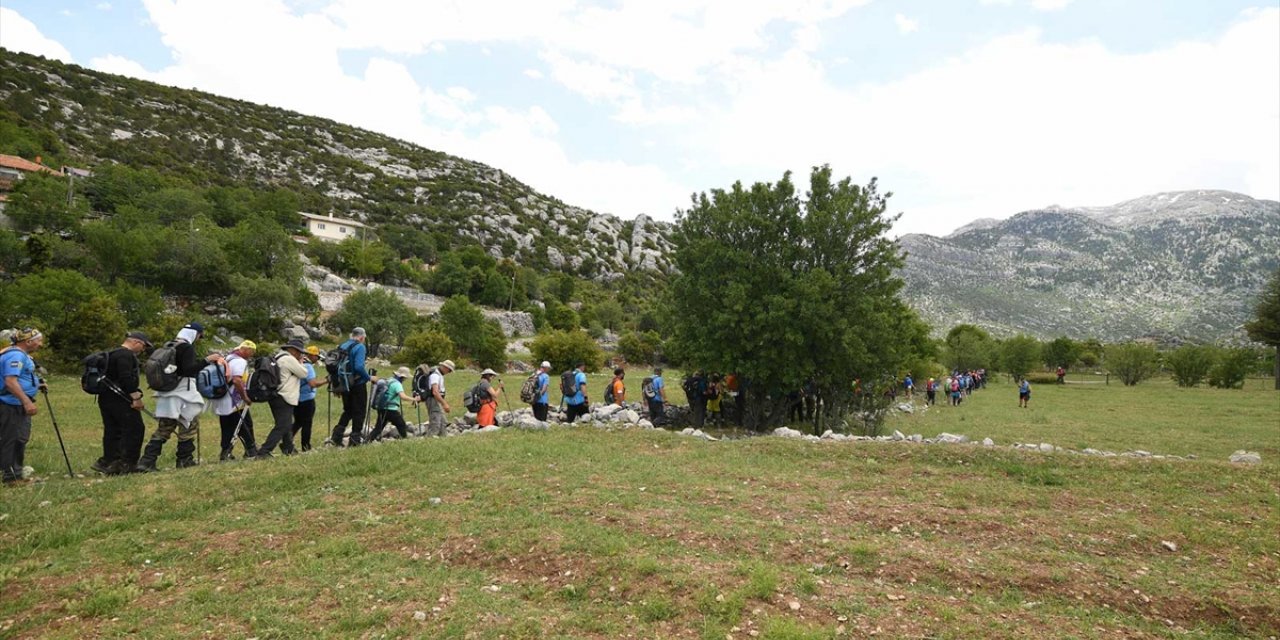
pixel 429 347
pixel 1018 355
pixel 640 347
pixel 94 325
pixel 561 316
pixel 1191 364
pixel 564 349
pixel 1231 368
pixel 480 339
pixel 46 297
pixel 384 317
pixel 1132 362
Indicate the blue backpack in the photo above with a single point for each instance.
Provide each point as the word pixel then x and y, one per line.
pixel 211 382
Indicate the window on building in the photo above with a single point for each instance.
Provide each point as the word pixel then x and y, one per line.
pixel 342 229
pixel 320 226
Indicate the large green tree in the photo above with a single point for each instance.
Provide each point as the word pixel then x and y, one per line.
pixel 781 289
pixel 1018 355
pixel 382 315
pixel 41 201
pixel 1265 326
pixel 968 347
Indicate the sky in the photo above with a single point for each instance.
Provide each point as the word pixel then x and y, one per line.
pixel 963 109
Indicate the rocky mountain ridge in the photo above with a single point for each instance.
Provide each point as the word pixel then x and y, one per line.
pixel 1187 264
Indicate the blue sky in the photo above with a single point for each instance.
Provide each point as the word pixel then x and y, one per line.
pixel 963 108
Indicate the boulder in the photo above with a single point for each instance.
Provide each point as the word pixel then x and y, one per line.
pixel 293 332
pixel 897 435
pixel 644 424
pixel 988 442
pixel 629 416
pixel 1246 457
pixel 1045 447
pixel 950 438
pixel 785 432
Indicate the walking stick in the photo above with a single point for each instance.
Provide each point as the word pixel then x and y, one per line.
pixel 56 430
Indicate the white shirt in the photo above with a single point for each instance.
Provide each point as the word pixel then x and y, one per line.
pixel 435 379
pixel 237 368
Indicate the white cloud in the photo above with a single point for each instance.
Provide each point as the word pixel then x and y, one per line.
pixel 103 6
pixel 533 73
pixel 905 25
pixel 19 34
pixel 1050 5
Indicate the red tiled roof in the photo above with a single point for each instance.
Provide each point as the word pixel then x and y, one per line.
pixel 22 164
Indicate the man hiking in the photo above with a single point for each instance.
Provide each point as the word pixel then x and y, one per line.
pixel 284 402
pixel 437 406
pixel 573 385
pixel 171 372
pixel 305 413
pixel 618 388
pixel 656 397
pixel 391 409
pixel 120 405
pixel 232 409
pixel 355 402
pixel 18 402
pixel 695 392
pixel 542 392
pixel 1024 393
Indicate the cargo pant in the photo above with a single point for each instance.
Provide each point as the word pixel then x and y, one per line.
pixel 436 419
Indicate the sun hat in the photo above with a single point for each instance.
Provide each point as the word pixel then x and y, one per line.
pixel 403 372
pixel 448 364
pixel 296 344
pixel 488 372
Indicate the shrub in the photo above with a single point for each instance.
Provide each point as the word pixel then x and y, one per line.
pixel 564 349
pixel 1190 364
pixel 561 316
pixel 94 325
pixel 640 347
pixel 380 312
pixel 480 339
pixel 1018 355
pixel 46 297
pixel 429 347
pixel 1231 368
pixel 1132 362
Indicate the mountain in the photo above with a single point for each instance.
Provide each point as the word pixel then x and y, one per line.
pixel 1187 264
pixel 337 168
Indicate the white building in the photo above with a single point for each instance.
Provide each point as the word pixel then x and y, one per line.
pixel 332 229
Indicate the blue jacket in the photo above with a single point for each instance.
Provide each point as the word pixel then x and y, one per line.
pixel 357 350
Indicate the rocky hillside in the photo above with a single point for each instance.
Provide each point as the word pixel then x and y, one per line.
pixel 208 139
pixel 1186 264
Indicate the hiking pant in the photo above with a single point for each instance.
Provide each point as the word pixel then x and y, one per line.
pixel 572 411
pixel 436 420
pixel 228 424
pixel 354 405
pixel 122 430
pixel 795 413
pixel 698 411
pixel 303 416
pixel 15 431
pixel 540 411
pixel 165 427
pixel 396 418
pixel 657 411
pixel 282 434
pixel 930 397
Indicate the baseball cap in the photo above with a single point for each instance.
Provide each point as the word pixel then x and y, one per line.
pixel 140 337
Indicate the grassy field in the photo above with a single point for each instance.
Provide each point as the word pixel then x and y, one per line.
pixel 585 533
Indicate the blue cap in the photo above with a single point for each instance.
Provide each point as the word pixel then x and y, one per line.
pixel 199 328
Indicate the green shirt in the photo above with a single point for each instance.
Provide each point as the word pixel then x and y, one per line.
pixel 394 389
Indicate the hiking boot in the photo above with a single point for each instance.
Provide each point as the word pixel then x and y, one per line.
pixel 186 454
pixel 225 456
pixel 102 465
pixel 118 468
pixel 147 463
pixel 263 455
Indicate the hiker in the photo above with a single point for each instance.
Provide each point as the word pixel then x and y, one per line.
pixel 695 393
pixel 542 391
pixel 616 393
pixel 930 392
pixel 909 386
pixel 232 409
pixel 437 406
pixel 1024 393
pixel 390 411
pixel 810 399
pixel 285 400
pixel 655 397
pixel 795 405
pixel 120 405
pixel 171 372
pixel 573 386
pixel 714 394
pixel 18 402
pixel 1062 375
pixel 355 402
pixel 955 391
pixel 731 389
pixel 305 413
pixel 489 393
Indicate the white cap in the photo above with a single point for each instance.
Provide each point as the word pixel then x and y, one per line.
pixel 546 365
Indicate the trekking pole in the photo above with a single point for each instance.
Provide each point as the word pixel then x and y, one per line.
pixel 198 461
pixel 244 413
pixel 123 396
pixel 56 430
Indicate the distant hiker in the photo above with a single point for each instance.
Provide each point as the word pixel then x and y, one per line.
pixel 1062 375
pixel 654 391
pixel 955 391
pixel 1024 393
pixel 171 371
pixel 355 401
pixel 695 393
pixel 437 406
pixel 304 414
pixel 488 395
pixel 795 405
pixel 715 393
pixel 541 391
pixel 290 375
pixel 18 401
pixel 616 392
pixel 573 387
pixel 733 391
pixel 930 392
pixel 391 411
pixel 810 398
pixel 120 405
pixel 908 385
pixel 232 409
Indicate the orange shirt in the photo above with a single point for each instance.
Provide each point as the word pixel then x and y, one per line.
pixel 619 391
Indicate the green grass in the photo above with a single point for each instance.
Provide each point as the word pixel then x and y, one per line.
pixel 587 533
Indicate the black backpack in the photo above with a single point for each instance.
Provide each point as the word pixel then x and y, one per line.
pixel 264 382
pixel 338 365
pixel 162 368
pixel 422 381
pixel 95 372
pixel 473 398
pixel 609 398
pixel 569 383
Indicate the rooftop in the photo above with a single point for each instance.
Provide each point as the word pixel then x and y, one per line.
pixel 330 218
pixel 22 164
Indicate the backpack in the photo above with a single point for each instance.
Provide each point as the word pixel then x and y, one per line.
pixel 609 398
pixel 569 383
pixel 422 381
pixel 162 368
pixel 211 382
pixel 713 391
pixel 473 398
pixel 95 371
pixel 381 397
pixel 529 390
pixel 264 382
pixel 647 390
pixel 338 365
pixel 955 386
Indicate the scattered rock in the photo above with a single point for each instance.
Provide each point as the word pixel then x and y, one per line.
pixel 420 616
pixel 1046 447
pixel 784 432
pixel 1169 545
pixel 1246 457
pixel 951 438
pixel 988 442
pixel 897 435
